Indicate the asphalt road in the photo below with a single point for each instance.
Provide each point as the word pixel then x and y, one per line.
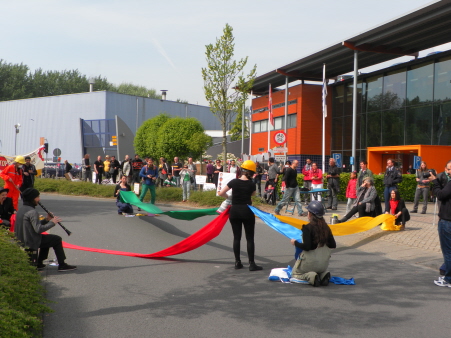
pixel 199 294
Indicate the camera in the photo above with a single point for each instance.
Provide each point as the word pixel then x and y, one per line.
pixel 428 174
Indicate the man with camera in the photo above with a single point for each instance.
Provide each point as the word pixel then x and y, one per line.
pixel 443 193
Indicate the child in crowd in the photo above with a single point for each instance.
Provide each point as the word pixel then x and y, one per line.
pixel 351 192
pixel 170 181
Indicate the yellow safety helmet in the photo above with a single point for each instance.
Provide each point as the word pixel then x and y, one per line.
pixel 20 159
pixel 249 165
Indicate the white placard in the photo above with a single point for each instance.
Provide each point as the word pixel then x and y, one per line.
pixel 136 188
pixel 223 179
pixel 201 179
pixel 209 186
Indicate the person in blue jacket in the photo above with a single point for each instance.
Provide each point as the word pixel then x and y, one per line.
pixel 150 174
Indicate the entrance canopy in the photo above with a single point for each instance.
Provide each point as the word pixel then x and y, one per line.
pixel 424 28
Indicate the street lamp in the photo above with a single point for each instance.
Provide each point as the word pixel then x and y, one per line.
pixel 15 142
pixel 91 84
pixel 163 94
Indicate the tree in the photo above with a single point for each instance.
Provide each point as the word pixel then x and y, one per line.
pixel 225 95
pixel 136 90
pixel 146 140
pixel 14 81
pixel 237 126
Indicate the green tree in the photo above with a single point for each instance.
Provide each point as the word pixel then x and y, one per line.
pixel 136 90
pixel 237 126
pixel 225 89
pixel 14 81
pixel 198 143
pixel 146 140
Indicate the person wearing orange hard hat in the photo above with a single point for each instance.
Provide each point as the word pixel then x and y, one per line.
pixel 12 175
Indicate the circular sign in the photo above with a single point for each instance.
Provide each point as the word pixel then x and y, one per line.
pixel 56 152
pixel 280 137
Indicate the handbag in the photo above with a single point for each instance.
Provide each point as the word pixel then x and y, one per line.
pixel 191 179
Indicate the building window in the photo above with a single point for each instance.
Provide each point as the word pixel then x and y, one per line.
pixel 291 121
pixel 441 130
pixel 394 96
pixel 393 127
pixel 374 93
pixel 442 80
pixel 256 127
pixel 373 136
pixel 337 133
pixel 261 126
pixel 338 105
pixel 420 82
pixel 418 125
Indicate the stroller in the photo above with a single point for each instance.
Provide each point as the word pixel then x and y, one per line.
pixel 270 194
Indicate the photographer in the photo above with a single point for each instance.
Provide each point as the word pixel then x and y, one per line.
pixel 443 194
pixel 422 175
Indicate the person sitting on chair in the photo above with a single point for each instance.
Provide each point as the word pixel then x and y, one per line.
pixel 268 193
pixel 398 209
pixel 6 208
pixel 365 202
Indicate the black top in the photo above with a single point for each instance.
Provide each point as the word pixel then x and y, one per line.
pixel 115 165
pixel 334 172
pixel 87 163
pixel 444 196
pixel 118 187
pixel 392 177
pixel 241 191
pixel 98 165
pixel 308 239
pixel 7 209
pixel 176 165
pixel 68 167
pixel 290 178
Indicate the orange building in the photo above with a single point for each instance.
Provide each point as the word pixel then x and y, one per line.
pixel 304 122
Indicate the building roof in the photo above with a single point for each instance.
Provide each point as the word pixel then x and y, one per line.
pixel 424 28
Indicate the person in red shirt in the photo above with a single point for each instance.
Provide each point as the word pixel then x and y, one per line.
pixel 12 175
pixel 351 192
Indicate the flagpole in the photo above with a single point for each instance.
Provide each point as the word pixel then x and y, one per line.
pixel 250 125
pixel 269 114
pixel 323 158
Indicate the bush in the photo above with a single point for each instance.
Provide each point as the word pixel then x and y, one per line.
pixel 22 299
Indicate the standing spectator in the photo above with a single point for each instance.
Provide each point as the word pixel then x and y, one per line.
pixel 443 194
pixel 363 173
pixel 218 168
pixel 176 168
pixel 67 167
pixel 114 168
pixel 137 165
pixel 186 175
pixel 411 171
pixel 273 174
pixel 292 189
pixel 127 169
pixel 163 171
pixel 391 179
pixel 86 173
pixel 29 172
pixel 258 177
pixel 12 176
pixel 6 208
pixel 306 171
pixel 422 175
pixel 398 209
pixel 351 192
pixel 333 184
pixel 210 171
pixel 98 168
pixel 150 174
pixel 106 166
pixel 29 229
pixel 192 166
pixel 317 180
pixel 234 169
pixel 123 208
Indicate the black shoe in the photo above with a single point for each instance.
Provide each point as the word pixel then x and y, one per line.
pixel 325 280
pixel 40 266
pixel 329 208
pixel 316 282
pixel 342 220
pixel 66 267
pixel 334 208
pixel 254 267
pixel 139 209
pixel 238 265
pixel 423 212
pixel 414 211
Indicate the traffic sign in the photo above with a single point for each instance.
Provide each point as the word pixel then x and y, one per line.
pixel 416 162
pixel 280 158
pixel 57 152
pixel 351 160
pixel 280 149
pixel 337 158
pixel 280 137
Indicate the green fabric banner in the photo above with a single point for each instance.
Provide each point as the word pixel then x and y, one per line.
pixel 188 215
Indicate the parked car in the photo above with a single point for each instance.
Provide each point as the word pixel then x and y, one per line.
pixel 56 169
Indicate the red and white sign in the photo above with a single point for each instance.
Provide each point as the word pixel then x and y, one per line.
pixel 280 137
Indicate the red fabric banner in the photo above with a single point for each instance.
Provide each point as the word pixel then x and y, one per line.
pixel 199 238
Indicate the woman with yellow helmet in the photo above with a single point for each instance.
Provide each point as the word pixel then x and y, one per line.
pixel 243 189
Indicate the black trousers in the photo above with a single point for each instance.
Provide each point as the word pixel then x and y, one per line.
pixel 99 177
pixel 249 230
pixel 403 218
pixel 258 183
pixel 51 241
pixel 360 208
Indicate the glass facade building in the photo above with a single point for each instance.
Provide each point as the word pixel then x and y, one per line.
pixel 405 104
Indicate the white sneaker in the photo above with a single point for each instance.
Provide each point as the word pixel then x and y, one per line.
pixel 442 282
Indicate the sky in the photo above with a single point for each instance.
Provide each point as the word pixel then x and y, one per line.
pixel 161 44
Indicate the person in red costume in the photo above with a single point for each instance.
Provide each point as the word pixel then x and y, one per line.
pixel 12 175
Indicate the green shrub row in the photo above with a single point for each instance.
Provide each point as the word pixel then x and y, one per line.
pixel 406 187
pixel 22 300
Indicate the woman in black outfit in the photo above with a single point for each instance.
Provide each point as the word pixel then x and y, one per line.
pixel 317 242
pixel 398 209
pixel 243 189
pixel 218 169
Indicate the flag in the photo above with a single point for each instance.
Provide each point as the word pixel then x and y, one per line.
pixel 271 117
pixel 324 91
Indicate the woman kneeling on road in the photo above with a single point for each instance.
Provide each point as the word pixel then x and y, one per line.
pixel 317 242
